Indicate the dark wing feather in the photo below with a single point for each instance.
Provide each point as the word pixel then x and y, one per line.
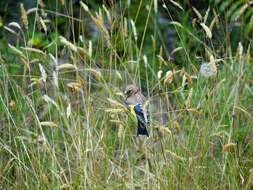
pixel 142 123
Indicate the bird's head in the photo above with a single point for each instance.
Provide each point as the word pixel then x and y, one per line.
pixel 131 90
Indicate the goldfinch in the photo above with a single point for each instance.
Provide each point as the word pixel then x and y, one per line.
pixel 135 101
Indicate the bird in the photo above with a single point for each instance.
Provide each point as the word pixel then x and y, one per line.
pixel 135 101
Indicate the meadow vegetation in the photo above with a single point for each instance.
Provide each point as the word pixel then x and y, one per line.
pixel 63 122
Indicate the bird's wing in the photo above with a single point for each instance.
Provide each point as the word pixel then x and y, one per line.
pixel 142 120
pixel 140 114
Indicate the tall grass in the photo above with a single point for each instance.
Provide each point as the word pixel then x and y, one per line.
pixel 63 121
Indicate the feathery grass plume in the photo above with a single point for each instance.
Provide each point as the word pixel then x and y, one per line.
pixel 66 66
pixel 240 50
pixel 55 79
pixel 68 111
pixel 48 124
pixel 163 129
pixel 189 99
pixel 108 15
pixel 25 62
pixel 17 51
pixel 115 103
pixel 90 48
pixel 216 15
pixel 47 99
pixel 81 38
pixel 24 18
pixel 114 110
pixel 120 94
pixel 197 13
pixel 176 126
pixel 75 86
pixel 35 81
pixel 42 25
pixel 249 184
pixel 15 24
pixel 65 42
pixel 53 59
pixel 161 60
pixel 42 8
pixel 168 77
pixel 160 57
pixel 183 81
pixel 44 179
pixel 207 30
pixel 31 10
pixel 99 22
pixel 214 21
pixel 176 50
pixel 119 75
pixel 55 72
pixel 12 104
pixel 247 5
pixel 10 30
pixel 41 4
pixel 206 14
pixel 175 23
pixel 145 59
pixel 134 30
pixel 177 5
pixel 95 72
pixel 125 28
pixel 82 52
pixel 33 50
pixel 120 131
pixel 228 147
pixel 43 73
pixel 41 139
pixel 166 129
pixel 84 6
pixel 174 155
pixel 159 74
pixel 164 6
pixel 188 76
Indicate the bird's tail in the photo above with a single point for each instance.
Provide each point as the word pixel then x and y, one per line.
pixel 142 129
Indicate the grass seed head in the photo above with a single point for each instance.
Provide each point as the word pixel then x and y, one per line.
pixel 43 73
pixel 48 124
pixel 66 66
pixel 24 18
pixel 169 77
pixel 228 147
pixel 176 126
pixel 65 42
pixel 159 74
pixel 75 87
pixel 207 30
pixel 15 24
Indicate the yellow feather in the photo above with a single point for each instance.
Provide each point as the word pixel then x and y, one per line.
pixel 132 109
pixel 133 112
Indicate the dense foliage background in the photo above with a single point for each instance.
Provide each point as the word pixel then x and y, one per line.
pixel 64 65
